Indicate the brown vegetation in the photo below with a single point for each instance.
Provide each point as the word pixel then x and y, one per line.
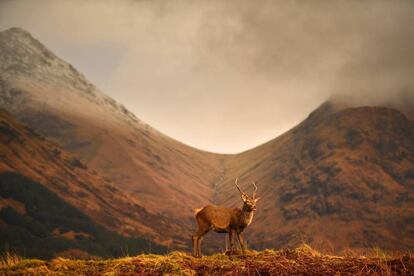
pixel 303 260
pixel 16 205
pixel 70 235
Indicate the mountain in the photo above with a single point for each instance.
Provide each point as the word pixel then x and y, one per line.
pixel 163 175
pixel 343 178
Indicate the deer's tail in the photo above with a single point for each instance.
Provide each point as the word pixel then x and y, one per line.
pixel 197 210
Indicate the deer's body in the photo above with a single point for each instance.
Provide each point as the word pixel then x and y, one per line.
pixel 224 220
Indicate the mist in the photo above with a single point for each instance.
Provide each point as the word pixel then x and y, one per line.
pixel 226 76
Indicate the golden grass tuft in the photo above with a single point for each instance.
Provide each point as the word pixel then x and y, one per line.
pixel 9 259
pixel 302 260
pixel 306 249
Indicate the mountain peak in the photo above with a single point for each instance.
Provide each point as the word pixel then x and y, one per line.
pixel 24 61
pixel 17 42
pixel 402 101
pixel 16 32
pixel 23 55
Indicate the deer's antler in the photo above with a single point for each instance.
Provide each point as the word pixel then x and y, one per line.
pixel 255 190
pixel 235 182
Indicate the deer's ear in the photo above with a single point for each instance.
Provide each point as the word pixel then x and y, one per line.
pixel 244 197
pixel 256 199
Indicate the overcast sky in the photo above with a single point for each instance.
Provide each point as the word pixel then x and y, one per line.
pixel 226 76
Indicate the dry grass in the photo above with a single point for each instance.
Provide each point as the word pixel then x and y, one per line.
pixel 302 260
pixel 8 259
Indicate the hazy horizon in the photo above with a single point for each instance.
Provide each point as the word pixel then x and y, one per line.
pixel 227 76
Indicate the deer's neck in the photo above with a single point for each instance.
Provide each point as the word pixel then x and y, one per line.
pixel 247 217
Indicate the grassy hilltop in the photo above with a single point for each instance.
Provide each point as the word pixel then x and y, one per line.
pixel 302 260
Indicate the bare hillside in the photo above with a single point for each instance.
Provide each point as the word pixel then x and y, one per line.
pixel 341 179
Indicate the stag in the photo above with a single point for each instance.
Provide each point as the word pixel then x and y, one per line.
pixel 225 220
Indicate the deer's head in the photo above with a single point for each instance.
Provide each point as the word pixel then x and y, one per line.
pixel 249 201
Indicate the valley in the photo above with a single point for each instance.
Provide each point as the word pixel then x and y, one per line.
pixel 341 179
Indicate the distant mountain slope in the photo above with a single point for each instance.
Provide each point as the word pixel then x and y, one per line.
pixel 341 179
pixel 163 175
pixel 26 153
pixel 37 223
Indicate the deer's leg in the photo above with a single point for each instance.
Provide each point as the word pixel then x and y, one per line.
pixel 196 239
pixel 241 241
pixel 231 241
pixel 199 240
pixel 194 243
